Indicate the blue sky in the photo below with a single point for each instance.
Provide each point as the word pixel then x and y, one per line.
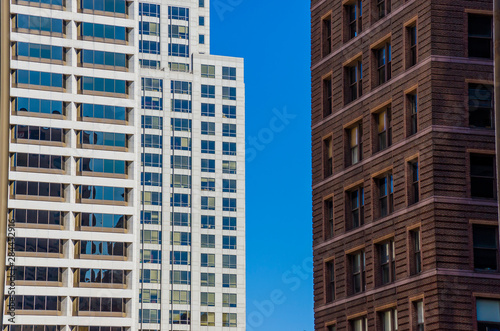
pixel 273 37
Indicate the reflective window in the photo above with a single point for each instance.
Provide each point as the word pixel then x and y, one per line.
pixel 181 124
pixel 178 50
pixel 228 93
pixel 102 276
pixel 149 47
pixel 180 277
pixel 207 279
pixel 208 91
pixel 207 222
pixel 207 165
pixel 103 138
pixel 178 31
pixel 40 78
pixel 151 160
pixel 39 106
pixel 40 24
pixel 116 113
pixel 149 28
pixel 116 305
pixel 181 219
pixel 149 9
pixel 30 216
pixel 228 111
pixel 42 189
pixel 178 13
pixel 104 193
pixel 114 6
pixel 109 221
pixel 154 103
pixel 152 122
pixel 229 223
pixel 40 51
pixel 103 31
pixel 180 162
pixel 42 161
pixel 208 109
pixel 228 73
pixel 38 274
pixel 104 58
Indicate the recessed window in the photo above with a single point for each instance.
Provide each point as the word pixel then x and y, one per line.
pixel 482 176
pixel 485 243
pixel 418 316
pixel 488 314
pixel 207 71
pixel 326 26
pixel 387 264
pixel 327 96
pixel 383 58
pixel 328 218
pixel 415 252
pixel 480 36
pixel 383 125
pixel 201 21
pixel 357 271
pixel 354 18
pixel 330 281
pixel 354 81
pixel 388 320
pixel 355 208
pixel 358 324
pixel 481 114
pixel 411 32
pixel 327 157
pixel 383 8
pixel 412 113
pixel 385 190
pixel 355 145
pixel 414 182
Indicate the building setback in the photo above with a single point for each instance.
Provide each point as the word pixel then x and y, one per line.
pixel 127 169
pixel 405 223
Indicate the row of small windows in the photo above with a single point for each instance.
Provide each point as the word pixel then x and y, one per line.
pixel 183 317
pixel 208 71
pixel 120 7
pixel 184 200
pixel 184 162
pixel 184 258
pixel 184 219
pixel 180 277
pixel 184 239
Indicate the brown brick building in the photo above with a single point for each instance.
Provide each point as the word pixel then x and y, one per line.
pixel 404 196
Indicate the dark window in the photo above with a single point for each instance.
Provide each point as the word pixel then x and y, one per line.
pixel 327 157
pixel 359 324
pixel 356 208
pixel 358 282
pixel 412 45
pixel 384 59
pixel 480 36
pixel 411 100
pixel 482 176
pixel 355 81
pixel 330 281
pixel 327 96
pixel 384 129
pixel 485 247
pixel 355 147
pixel 488 314
pixel 383 8
pixel 414 185
pixel 415 252
pixel 327 36
pixel 387 264
pixel 328 218
pixel 481 113
pixel 354 13
pixel 385 195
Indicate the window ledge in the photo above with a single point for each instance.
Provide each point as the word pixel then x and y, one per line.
pixel 102 120
pixel 99 314
pixel 103 40
pixel 104 94
pixel 102 202
pixel 36 254
pixel 101 174
pixel 38 283
pixel 39 226
pixel 38 59
pixel 39 32
pixel 103 67
pixel 101 229
pixel 38 170
pixel 42 115
pixel 104 148
pixel 102 257
pixel 37 198
pixel 39 87
pixel 102 13
pixel 39 142
pixel 39 312
pixel 101 285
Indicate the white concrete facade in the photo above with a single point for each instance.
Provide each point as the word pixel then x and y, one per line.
pixel 90 189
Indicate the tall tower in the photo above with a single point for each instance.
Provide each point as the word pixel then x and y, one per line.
pixel 404 188
pixel 192 173
pixel 126 174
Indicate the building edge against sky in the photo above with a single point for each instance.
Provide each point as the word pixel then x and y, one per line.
pixel 405 221
pixel 126 168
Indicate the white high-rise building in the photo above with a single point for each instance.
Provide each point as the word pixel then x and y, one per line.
pixel 127 169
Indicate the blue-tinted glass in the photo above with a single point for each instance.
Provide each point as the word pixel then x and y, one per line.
pixel 107 220
pixel 119 194
pixel 34 105
pixel 57 26
pixel 108 166
pixel 57 53
pixel 120 6
pixel 109 5
pixel 99 57
pixel 45 106
pixel 109 112
pixel 88 29
pixel 88 83
pixel 98 111
pixel 109 85
pixel 87 56
pixel 99 84
pixel 23 77
pixel 109 139
pixel 87 110
pixel 120 167
pixel 97 220
pixel 120 86
pixel 98 5
pixel 57 107
pixel 99 138
pixel 98 192
pixel 120 139
pixel 120 33
pixel 98 165
pixel 23 21
pixel 57 2
pixel 109 31
pixel 98 30
pixel 88 4
pixel 57 80
pixel 46 24
pixel 120 113
pixel 120 60
pixel 34 77
pixel 108 193
pixel 23 49
pixel 34 22
pixel 109 59
pixel 22 104
pixel 45 79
